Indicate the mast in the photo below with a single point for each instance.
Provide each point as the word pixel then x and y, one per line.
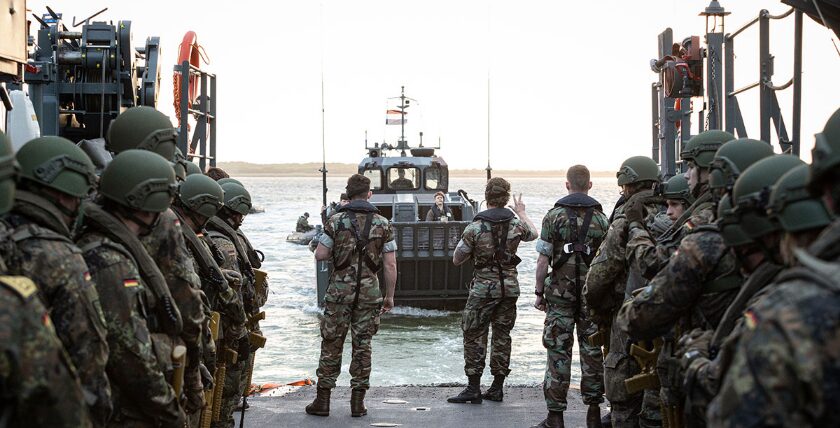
pixel 489 169
pixel 402 144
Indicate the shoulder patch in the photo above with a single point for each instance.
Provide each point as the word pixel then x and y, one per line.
pixel 689 225
pixel 21 285
pixel 131 282
pixel 750 319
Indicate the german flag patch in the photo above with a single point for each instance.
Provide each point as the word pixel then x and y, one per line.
pixel 689 225
pixel 87 276
pixel 130 283
pixel 750 319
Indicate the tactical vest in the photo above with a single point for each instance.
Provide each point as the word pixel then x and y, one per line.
pixel 354 249
pixel 496 222
pixel 437 214
pixel 212 279
pixel 223 228
pixel 723 278
pixel 575 241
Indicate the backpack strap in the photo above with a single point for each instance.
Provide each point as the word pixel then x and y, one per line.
pixel 361 249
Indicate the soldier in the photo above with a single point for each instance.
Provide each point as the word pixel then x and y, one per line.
pixel 359 242
pixel 134 189
pixel 303 224
pixel 54 176
pixel 677 196
pixel 571 233
pixel 609 280
pixel 38 383
pixel 222 231
pixel 491 240
pixel 784 371
pixel 145 128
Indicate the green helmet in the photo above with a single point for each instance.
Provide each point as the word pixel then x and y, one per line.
pixel 237 198
pixel 733 158
pixel 793 207
pixel 730 227
pixel 143 128
pixel 825 156
pixel 223 181
pixel 139 180
pixel 179 165
pixel 8 174
pixel 701 148
pixel 677 188
pixel 199 193
pixel 57 163
pixel 192 168
pixel 752 192
pixel 636 169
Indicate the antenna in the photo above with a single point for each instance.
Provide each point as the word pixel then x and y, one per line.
pixel 323 134
pixel 489 169
pixel 402 144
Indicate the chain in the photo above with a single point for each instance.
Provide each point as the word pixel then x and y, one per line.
pixel 712 106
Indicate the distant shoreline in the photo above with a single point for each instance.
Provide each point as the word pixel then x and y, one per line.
pixel 246 169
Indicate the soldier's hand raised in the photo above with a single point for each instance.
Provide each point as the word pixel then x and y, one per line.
pixel 518 206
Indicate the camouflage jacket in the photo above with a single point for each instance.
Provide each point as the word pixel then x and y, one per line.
pixel 140 388
pixel 340 235
pixel 37 381
pixel 566 280
pixel 696 286
pixel 227 240
pixel 255 257
pixel 495 274
pixel 45 253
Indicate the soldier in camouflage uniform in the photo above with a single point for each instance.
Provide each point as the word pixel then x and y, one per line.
pixel 784 370
pixel 359 242
pixel 609 281
pixel 55 175
pixel 571 233
pixel 491 240
pixel 134 189
pixel 38 383
pixel 145 128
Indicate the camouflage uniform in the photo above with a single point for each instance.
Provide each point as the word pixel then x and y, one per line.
pixel 353 299
pixel 303 225
pixel 493 293
pixel 38 384
pixel 565 308
pixel 45 253
pixel 608 282
pixel 785 367
pixel 141 393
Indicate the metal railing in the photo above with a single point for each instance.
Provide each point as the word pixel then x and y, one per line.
pixel 202 145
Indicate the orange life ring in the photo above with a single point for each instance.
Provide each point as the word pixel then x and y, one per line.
pixel 678 107
pixel 188 50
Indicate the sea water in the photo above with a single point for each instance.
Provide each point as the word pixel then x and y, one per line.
pixel 413 346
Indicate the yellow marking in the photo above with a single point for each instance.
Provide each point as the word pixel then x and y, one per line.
pixel 750 319
pixel 20 284
pixel 130 283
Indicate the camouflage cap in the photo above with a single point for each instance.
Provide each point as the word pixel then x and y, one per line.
pixel 357 184
pixel 497 191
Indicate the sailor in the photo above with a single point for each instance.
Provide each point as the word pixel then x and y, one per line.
pixel 610 279
pixel 38 381
pixel 784 369
pixel 439 211
pixel 571 233
pixel 134 189
pixel 491 240
pixel 359 242
pixel 303 225
pixel 402 183
pixel 55 175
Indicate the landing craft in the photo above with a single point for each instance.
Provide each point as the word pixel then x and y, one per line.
pixel 404 181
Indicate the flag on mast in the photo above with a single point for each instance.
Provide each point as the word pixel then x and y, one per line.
pixel 395 117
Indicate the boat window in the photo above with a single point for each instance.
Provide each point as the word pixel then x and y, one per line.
pixel 375 177
pixel 435 178
pixel 403 178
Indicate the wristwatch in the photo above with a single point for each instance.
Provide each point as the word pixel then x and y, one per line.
pixel 539 293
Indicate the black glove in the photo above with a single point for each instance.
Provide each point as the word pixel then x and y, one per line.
pixel 635 210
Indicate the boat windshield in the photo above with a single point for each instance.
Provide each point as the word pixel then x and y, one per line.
pixel 435 178
pixel 403 178
pixel 375 177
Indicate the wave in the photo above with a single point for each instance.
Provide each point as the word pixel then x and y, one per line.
pixel 409 311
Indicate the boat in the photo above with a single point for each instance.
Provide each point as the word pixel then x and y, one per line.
pixel 404 181
pixel 304 238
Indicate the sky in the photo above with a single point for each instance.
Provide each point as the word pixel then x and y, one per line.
pixel 569 82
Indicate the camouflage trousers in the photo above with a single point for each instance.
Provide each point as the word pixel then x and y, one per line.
pixel 231 392
pixel 558 338
pixel 479 314
pixel 363 323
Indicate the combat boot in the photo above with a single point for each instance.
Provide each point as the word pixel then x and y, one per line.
pixel 593 416
pixel 495 393
pixel 471 394
pixel 357 403
pixel 321 405
pixel 553 420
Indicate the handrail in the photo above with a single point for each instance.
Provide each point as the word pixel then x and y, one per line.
pixel 779 88
pixel 763 14
pixel 744 89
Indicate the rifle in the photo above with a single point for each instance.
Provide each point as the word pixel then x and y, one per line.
pixel 179 361
pixel 256 342
pixel 648 378
pixel 228 356
pixel 252 321
pixel 601 338
pixel 209 395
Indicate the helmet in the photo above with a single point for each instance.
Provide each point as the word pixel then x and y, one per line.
pixel 192 168
pixel 143 128
pixel 8 174
pixel 179 165
pixel 701 148
pixel 793 207
pixel 733 158
pixel 677 188
pixel 752 193
pixel 825 155
pixel 223 181
pixel 140 180
pixel 730 227
pixel 199 193
pixel 57 163
pixel 636 169
pixel 237 198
